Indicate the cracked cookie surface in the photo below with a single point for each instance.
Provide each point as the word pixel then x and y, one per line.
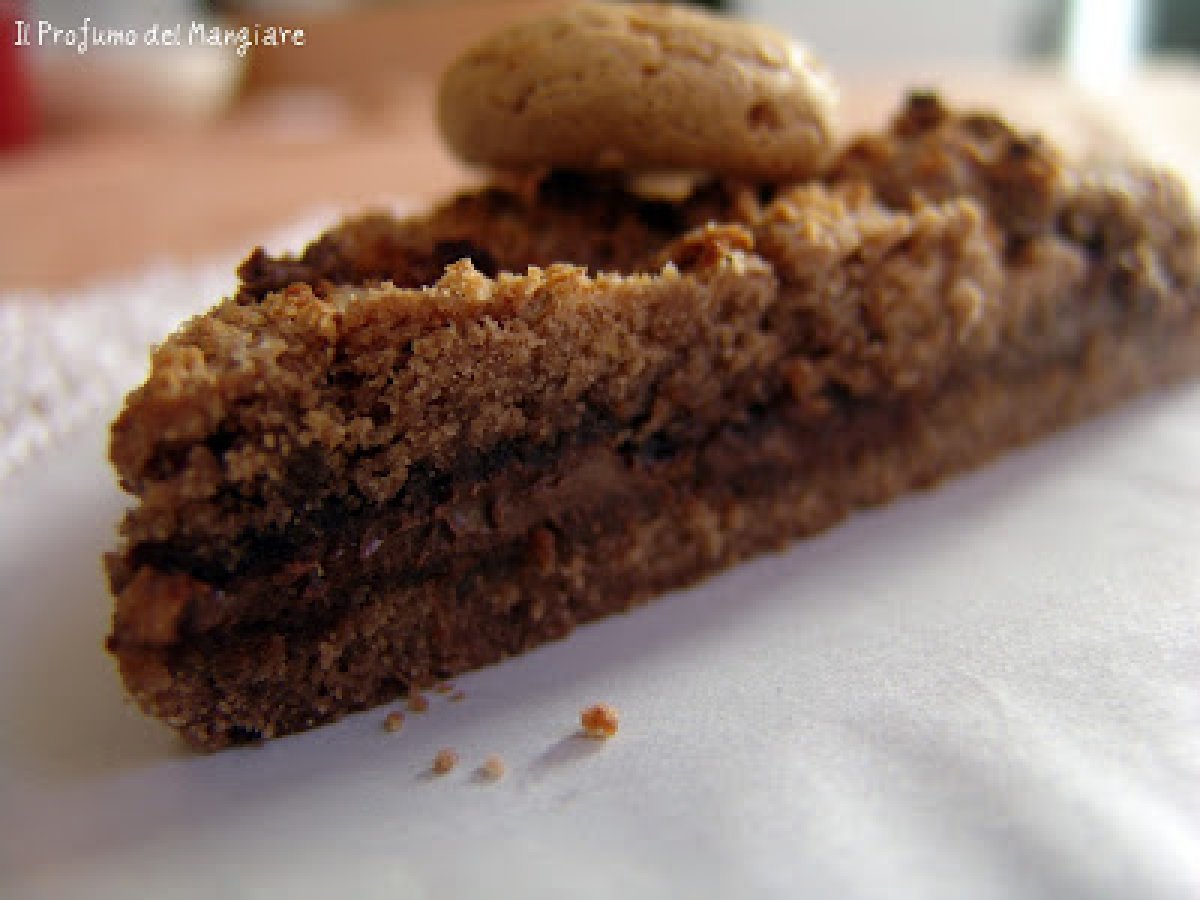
pixel 640 87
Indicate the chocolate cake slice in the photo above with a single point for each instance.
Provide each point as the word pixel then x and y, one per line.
pixel 426 444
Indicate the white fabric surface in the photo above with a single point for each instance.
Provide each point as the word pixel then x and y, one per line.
pixel 989 690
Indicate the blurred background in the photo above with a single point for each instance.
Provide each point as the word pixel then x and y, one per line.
pixel 114 156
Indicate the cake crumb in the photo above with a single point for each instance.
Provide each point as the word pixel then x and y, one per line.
pixel 493 767
pixel 457 696
pixel 445 761
pixel 394 721
pixel 417 702
pixel 443 687
pixel 599 721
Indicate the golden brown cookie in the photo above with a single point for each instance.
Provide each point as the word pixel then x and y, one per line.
pixel 640 87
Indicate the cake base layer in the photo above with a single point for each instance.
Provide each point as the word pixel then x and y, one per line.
pixel 267 679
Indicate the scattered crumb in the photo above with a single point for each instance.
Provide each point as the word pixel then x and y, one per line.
pixel 445 761
pixel 417 702
pixel 493 767
pixel 599 721
pixel 394 721
pixel 457 696
pixel 443 687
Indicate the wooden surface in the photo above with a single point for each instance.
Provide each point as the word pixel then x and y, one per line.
pixel 108 202
pixel 115 201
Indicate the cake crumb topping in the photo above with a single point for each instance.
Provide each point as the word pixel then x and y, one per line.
pixel 599 721
pixel 417 702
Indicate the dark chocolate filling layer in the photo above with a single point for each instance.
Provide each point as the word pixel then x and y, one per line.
pixel 500 507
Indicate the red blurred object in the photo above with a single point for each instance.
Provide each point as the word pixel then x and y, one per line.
pixel 16 98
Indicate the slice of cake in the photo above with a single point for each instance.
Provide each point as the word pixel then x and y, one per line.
pixel 426 444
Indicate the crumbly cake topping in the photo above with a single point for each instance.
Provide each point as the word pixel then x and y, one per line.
pixel 931 155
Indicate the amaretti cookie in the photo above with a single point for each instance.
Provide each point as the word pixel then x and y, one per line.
pixel 640 87
pixel 426 444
